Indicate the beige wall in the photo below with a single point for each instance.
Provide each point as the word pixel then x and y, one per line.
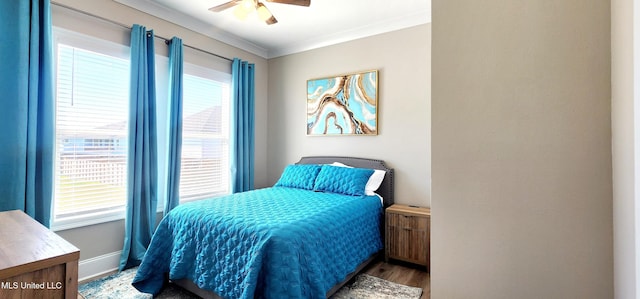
pixel 624 147
pixel 403 60
pixel 521 149
pixel 106 238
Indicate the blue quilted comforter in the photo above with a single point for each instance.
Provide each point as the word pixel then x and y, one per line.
pixel 270 243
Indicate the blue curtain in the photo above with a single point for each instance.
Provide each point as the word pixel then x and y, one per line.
pixel 26 108
pixel 175 124
pixel 242 125
pixel 142 162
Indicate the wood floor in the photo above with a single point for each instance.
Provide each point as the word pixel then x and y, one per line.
pixel 401 273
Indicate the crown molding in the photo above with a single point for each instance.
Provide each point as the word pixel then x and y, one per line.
pixel 388 25
pixel 183 20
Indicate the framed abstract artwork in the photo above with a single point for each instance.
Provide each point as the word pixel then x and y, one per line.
pixel 343 105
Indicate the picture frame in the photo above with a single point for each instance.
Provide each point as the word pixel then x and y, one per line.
pixel 343 105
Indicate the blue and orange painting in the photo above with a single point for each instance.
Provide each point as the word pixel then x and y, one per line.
pixel 343 105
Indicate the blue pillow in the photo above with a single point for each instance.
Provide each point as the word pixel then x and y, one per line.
pixel 349 181
pixel 301 176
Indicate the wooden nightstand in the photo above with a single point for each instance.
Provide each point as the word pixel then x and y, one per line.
pixel 407 234
pixel 34 261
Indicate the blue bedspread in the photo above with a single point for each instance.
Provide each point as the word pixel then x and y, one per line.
pixel 269 243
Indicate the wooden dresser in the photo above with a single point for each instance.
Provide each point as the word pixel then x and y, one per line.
pixel 407 234
pixel 34 261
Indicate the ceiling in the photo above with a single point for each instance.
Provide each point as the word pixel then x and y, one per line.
pixel 323 23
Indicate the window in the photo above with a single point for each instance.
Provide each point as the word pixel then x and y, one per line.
pixel 205 134
pixel 92 92
pixel 92 112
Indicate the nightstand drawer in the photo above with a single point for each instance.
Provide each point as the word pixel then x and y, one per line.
pixel 408 222
pixel 408 245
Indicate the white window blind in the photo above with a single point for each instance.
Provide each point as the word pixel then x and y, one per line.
pixel 92 91
pixel 205 138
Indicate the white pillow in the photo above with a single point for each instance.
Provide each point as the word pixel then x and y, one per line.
pixel 374 182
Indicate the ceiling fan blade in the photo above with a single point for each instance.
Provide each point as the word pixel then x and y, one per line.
pixel 271 21
pixel 265 15
pixel 225 5
pixel 292 2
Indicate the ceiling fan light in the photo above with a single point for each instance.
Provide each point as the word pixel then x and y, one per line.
pixel 241 12
pixel 249 5
pixel 263 13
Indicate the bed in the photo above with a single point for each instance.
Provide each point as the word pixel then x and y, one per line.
pixel 303 238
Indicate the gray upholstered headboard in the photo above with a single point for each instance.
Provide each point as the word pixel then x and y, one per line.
pixel 385 190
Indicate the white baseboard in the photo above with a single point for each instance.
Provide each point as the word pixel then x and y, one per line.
pixel 97 266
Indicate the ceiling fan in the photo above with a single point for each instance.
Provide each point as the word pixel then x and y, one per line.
pixel 245 7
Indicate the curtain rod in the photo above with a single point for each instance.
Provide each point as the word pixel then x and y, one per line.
pixel 166 40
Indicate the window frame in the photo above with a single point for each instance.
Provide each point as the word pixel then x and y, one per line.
pixel 190 69
pixel 105 47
